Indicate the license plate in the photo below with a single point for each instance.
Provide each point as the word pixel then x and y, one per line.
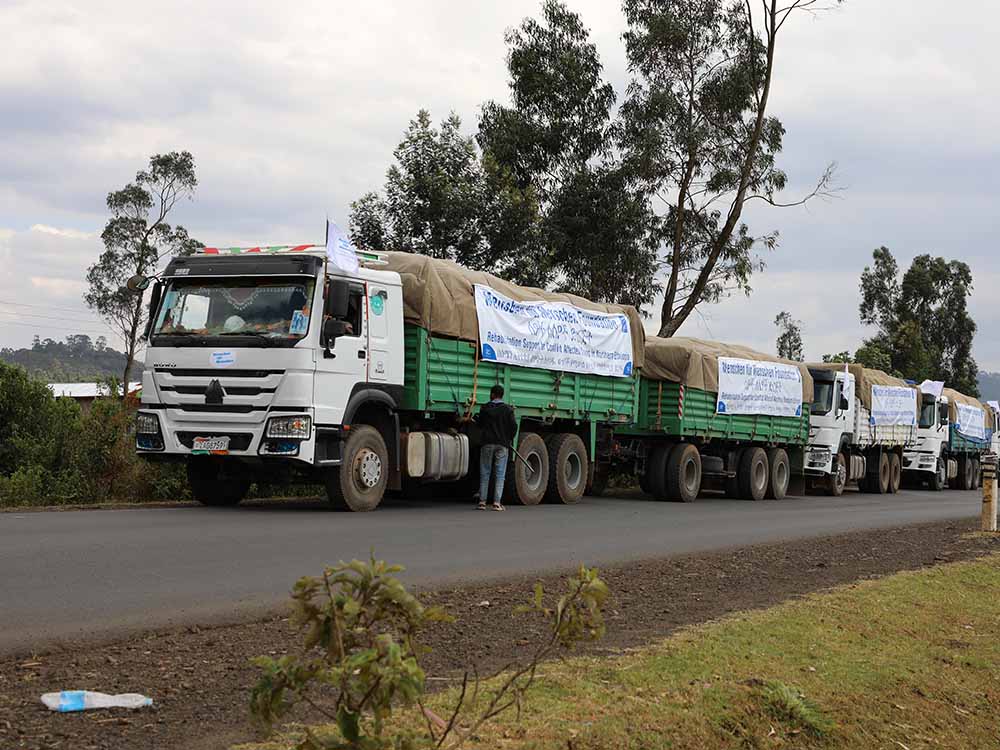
pixel 220 443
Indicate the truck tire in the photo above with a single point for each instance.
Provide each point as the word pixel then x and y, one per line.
pixel 780 474
pixel 656 468
pixel 880 482
pixel 683 477
pixel 965 473
pixel 976 475
pixel 358 484
pixel 753 474
pixel 837 480
pixel 895 473
pixel 210 485
pixel 568 469
pixel 644 481
pixel 940 479
pixel 526 486
pixel 733 482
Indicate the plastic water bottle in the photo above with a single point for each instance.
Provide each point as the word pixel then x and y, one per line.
pixel 80 700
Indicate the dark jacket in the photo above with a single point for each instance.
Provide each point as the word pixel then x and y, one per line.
pixel 496 420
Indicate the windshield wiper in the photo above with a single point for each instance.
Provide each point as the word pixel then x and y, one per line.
pixel 256 334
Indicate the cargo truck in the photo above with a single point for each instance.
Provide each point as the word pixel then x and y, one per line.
pixel 273 364
pixel 954 430
pixel 695 430
pixel 862 420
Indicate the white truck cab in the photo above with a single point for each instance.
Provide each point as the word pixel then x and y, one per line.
pixel 266 359
pixel 927 460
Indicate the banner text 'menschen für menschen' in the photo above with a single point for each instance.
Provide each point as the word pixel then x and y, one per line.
pixel 748 386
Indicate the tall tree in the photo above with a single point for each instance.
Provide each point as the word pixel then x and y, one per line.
pixel 135 238
pixel 789 342
pixel 696 128
pixel 556 138
pixel 442 199
pixel 922 320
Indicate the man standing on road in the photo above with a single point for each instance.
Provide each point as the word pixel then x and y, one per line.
pixel 496 420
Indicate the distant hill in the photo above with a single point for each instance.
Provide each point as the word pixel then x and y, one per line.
pixel 989 386
pixel 78 359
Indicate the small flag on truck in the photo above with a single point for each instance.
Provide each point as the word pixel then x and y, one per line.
pixel 339 249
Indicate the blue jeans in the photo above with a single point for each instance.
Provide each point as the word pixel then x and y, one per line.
pixel 492 458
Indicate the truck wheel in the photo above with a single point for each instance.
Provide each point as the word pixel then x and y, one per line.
pixel 644 481
pixel 940 479
pixel 210 485
pixel 965 473
pixel 656 470
pixel 895 473
pixel 780 473
pixel 528 484
pixel 837 480
pixel 976 476
pixel 879 484
pixel 358 484
pixel 753 474
pixel 733 482
pixel 683 477
pixel 568 469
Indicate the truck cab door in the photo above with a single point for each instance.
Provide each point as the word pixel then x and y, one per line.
pixel 346 366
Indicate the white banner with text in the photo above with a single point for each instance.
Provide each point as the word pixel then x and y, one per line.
pixel 552 335
pixel 971 421
pixel 747 386
pixel 893 405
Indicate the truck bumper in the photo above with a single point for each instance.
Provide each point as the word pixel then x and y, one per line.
pixel 244 439
pixel 819 461
pixel 919 461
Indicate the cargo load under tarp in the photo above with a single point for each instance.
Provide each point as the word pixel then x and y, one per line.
pixel 695 362
pixel 955 398
pixel 438 296
pixel 865 378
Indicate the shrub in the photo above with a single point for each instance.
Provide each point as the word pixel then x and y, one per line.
pixel 361 627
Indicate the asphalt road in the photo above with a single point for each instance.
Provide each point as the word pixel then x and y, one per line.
pixel 65 575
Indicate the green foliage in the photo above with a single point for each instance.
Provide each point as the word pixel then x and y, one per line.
pixel 789 342
pixel 924 328
pixel 557 141
pixel 844 356
pixel 789 704
pixel 52 452
pixel 78 359
pixel 135 238
pixel 360 650
pixel 444 200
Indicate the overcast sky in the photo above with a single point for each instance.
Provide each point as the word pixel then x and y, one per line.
pixel 292 111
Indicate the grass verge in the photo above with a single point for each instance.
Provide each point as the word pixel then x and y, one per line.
pixel 909 661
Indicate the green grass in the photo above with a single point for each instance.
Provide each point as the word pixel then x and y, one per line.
pixel 909 661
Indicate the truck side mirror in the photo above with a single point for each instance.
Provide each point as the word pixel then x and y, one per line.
pixel 338 296
pixel 138 283
pixel 154 304
pixel 943 418
pixel 844 403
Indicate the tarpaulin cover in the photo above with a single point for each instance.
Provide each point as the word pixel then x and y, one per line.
pixel 695 362
pixel 954 397
pixel 438 295
pixel 865 378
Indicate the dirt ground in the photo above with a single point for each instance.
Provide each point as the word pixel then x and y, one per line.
pixel 200 678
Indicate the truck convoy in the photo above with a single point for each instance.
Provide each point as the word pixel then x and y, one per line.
pixel 862 421
pixel 952 433
pixel 274 364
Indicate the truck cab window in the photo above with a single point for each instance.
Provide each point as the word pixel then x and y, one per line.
pixel 353 320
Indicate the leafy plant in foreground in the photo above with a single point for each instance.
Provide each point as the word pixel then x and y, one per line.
pixel 360 659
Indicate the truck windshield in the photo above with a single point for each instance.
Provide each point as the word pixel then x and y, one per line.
pixel 822 397
pixel 270 307
pixel 927 416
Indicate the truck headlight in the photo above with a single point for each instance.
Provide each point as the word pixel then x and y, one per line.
pixel 147 432
pixel 297 427
pixel 147 424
